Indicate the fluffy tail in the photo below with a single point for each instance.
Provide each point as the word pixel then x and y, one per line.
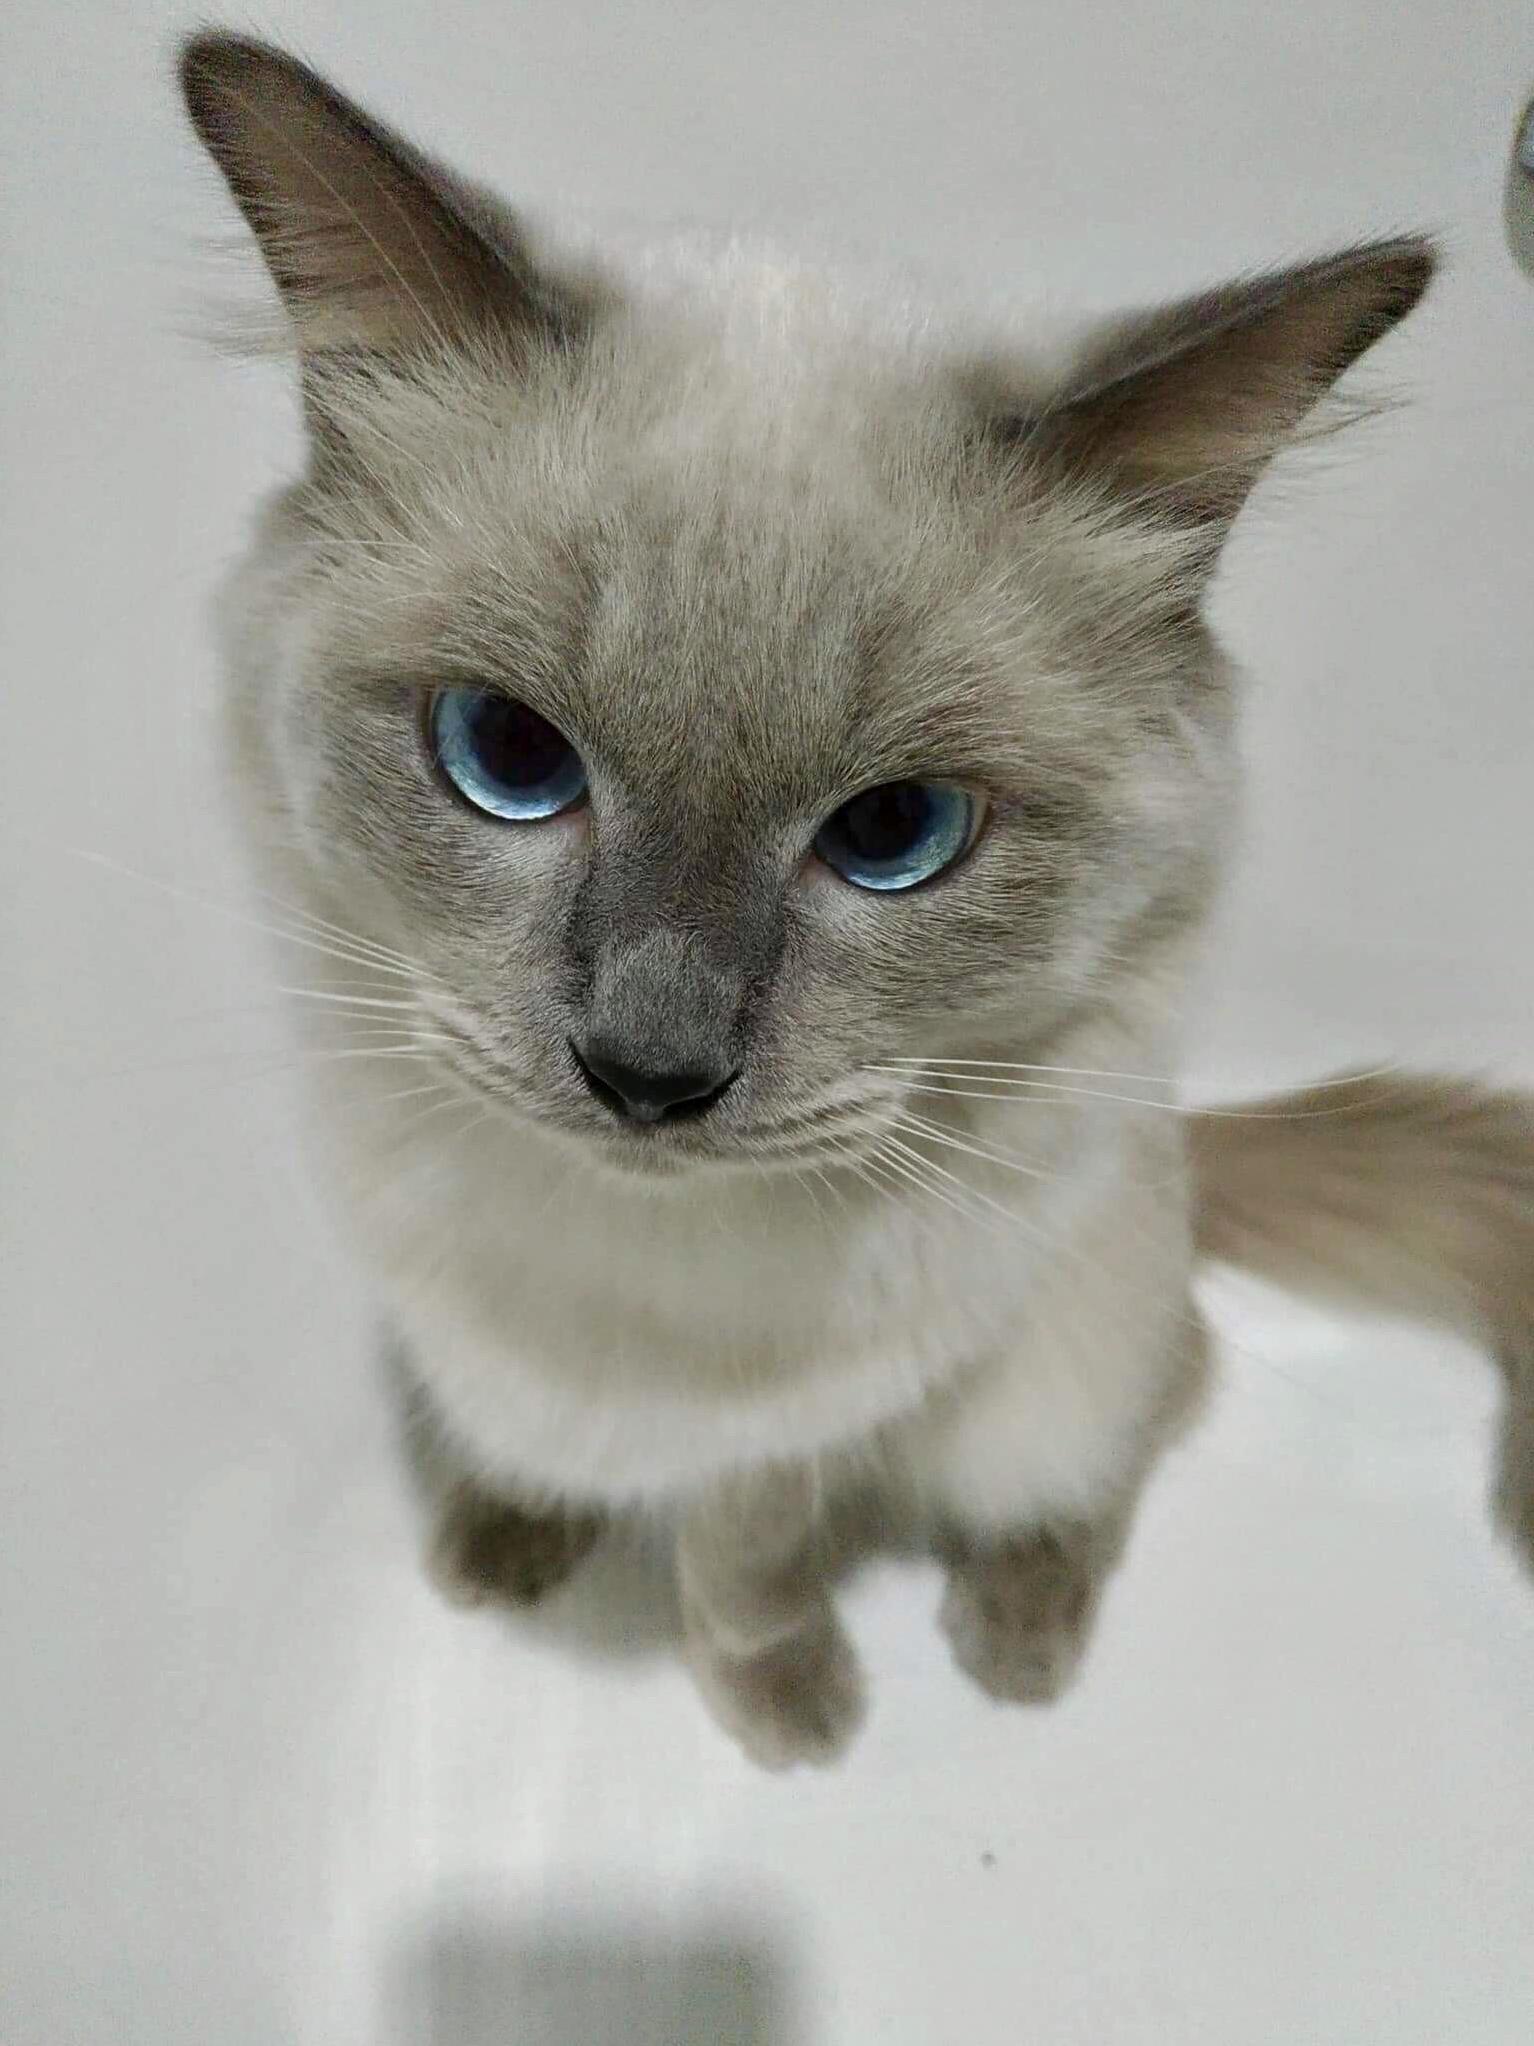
pixel 1408 1195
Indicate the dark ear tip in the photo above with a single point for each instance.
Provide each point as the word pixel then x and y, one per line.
pixel 1406 267
pixel 207 64
pixel 210 56
pixel 212 66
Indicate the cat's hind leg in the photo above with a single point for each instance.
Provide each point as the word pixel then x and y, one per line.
pixel 485 1549
pixel 483 1546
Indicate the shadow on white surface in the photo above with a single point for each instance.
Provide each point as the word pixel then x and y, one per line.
pixel 479 1981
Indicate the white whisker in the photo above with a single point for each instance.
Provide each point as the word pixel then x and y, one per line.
pixel 365 1023
pixel 323 925
pixel 919 1126
pixel 352 1002
pixel 422 1116
pixel 897 1176
pixel 922 1171
pixel 1046 1094
pixel 857 1162
pixel 350 950
pixel 979 1068
pixel 412 1093
pixel 830 1186
pixel 997 1085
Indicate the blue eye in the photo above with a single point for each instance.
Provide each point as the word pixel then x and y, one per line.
pixel 502 757
pixel 900 834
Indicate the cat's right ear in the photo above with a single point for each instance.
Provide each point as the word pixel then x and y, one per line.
pixel 373 246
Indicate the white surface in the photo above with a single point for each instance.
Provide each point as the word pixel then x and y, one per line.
pixel 255 1787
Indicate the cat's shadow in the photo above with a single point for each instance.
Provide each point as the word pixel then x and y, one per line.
pixel 476 1978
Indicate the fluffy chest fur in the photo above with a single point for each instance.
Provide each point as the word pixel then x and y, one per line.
pixel 595 1340
pixel 743 768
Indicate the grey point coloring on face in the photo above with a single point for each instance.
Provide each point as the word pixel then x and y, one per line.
pixel 757 750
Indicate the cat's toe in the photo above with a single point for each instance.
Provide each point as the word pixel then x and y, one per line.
pixel 1018 1619
pixel 1017 1665
pixel 799 1701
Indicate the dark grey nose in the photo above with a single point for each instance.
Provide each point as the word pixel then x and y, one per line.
pixel 644 1095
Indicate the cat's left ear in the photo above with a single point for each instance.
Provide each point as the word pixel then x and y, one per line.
pixel 1182 409
pixel 372 245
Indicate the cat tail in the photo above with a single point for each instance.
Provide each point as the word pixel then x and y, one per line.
pixel 1409 1195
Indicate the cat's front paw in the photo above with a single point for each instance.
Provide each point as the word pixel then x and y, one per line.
pixel 800 1700
pixel 484 1549
pixel 1018 1617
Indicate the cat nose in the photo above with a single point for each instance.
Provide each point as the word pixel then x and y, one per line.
pixel 645 1093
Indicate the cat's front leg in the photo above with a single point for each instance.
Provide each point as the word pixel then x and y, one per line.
pixel 764 1642
pixel 1031 1481
pixel 1019 1607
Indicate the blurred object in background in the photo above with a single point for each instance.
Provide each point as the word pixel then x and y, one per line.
pixel 1518 209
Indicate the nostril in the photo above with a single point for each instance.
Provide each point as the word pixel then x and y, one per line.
pixel 649 1093
pixel 607 1094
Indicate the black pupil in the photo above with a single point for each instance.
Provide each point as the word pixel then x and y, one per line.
pixel 885 823
pixel 514 745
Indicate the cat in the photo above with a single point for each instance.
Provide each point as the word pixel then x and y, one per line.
pixel 748 771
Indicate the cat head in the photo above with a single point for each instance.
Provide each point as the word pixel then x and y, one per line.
pixel 722 695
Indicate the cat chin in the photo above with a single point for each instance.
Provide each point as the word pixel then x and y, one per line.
pixel 634 1159
pixel 639 1166
pixel 637 1159
pixel 645 1162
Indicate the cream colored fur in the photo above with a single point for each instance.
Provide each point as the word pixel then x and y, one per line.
pixel 754 546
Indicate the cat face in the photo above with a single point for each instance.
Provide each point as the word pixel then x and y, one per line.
pixel 699 753
pixel 718 701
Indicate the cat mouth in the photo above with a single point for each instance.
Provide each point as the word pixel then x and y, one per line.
pixel 823 1133
pixel 836 1136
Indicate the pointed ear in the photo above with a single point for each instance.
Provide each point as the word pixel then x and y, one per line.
pixel 1183 408
pixel 372 245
